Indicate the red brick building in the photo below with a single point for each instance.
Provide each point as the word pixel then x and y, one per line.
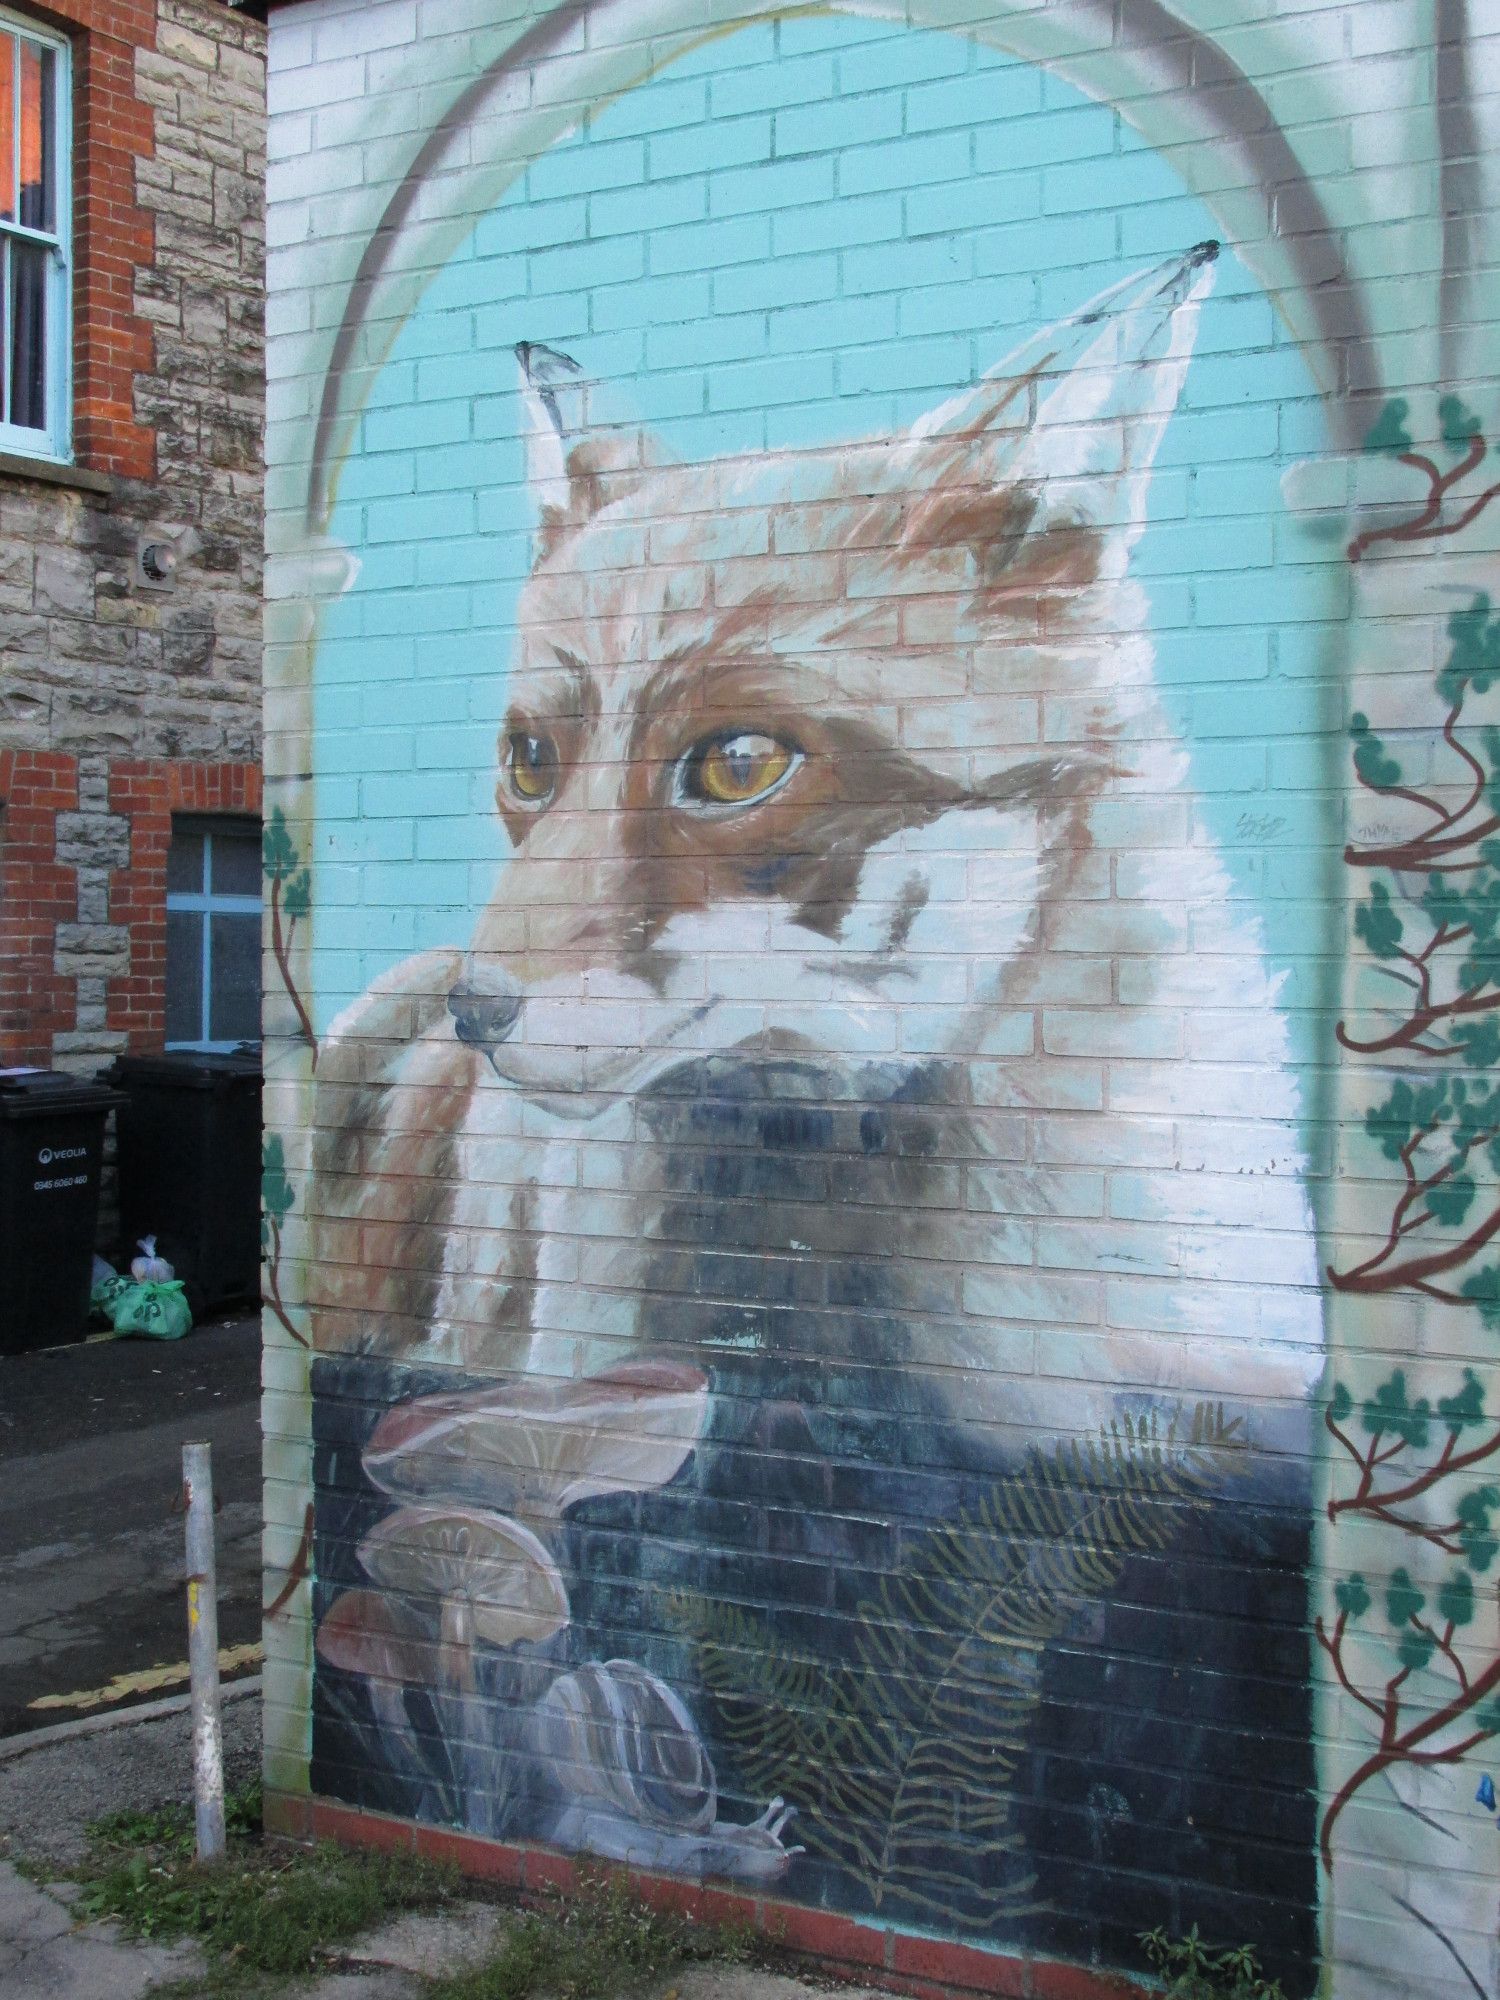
pixel 131 410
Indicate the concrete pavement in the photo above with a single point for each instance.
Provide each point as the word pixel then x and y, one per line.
pixel 46 1954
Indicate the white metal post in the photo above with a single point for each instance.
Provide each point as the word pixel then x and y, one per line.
pixel 203 1652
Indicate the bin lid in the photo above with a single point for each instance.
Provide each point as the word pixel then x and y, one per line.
pixel 187 1069
pixel 38 1093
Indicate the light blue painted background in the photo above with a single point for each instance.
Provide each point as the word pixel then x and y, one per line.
pixel 806 230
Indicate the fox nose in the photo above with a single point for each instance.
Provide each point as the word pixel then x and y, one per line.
pixel 485 1005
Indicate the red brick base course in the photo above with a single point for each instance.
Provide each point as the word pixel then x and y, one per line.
pixel 869 1953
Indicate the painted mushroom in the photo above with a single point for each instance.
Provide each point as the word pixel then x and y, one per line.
pixel 495 1583
pixel 537 1447
pixel 366 1634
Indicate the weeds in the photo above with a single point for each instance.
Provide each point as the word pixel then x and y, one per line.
pixel 598 1940
pixel 1194 1970
pixel 261 1913
pixel 267 1915
pixel 170 1826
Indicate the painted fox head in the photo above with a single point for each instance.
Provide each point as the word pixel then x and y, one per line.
pixel 800 743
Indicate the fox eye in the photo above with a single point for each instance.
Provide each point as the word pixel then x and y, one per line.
pixel 736 770
pixel 530 767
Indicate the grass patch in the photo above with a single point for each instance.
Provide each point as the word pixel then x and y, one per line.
pixel 269 1916
pixel 262 1914
pixel 169 1827
pixel 597 1940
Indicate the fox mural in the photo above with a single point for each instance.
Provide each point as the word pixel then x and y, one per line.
pixel 812 1388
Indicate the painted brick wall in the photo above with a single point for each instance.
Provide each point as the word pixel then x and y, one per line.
pixel 101 675
pixel 880 744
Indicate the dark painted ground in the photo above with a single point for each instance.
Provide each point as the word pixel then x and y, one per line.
pixel 91 1549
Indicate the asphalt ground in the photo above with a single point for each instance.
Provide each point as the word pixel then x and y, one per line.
pixel 92 1609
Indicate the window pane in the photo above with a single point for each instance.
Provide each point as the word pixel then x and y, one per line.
pixel 185 860
pixel 38 174
pixel 184 976
pixel 28 335
pixel 236 861
pixel 8 127
pixel 234 979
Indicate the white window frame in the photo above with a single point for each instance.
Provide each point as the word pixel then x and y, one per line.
pixel 55 442
pixel 209 903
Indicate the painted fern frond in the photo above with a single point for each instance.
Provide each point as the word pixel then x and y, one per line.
pixel 903 1761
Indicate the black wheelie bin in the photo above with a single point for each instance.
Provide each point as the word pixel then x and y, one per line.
pixel 51 1149
pixel 189 1163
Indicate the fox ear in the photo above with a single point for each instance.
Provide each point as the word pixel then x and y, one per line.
pixel 1046 465
pixel 578 458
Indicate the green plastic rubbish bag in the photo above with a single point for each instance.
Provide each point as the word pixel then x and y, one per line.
pixel 157 1311
pixel 109 1288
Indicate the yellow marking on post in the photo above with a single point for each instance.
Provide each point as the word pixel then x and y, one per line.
pixel 147 1680
pixel 193 1604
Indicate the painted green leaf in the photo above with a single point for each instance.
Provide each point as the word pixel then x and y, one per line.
pixel 1481 966
pixel 1483 1287
pixel 1403 1600
pixel 1459 424
pixel 277 1195
pixel 1408 1109
pixel 1479 1546
pixel 1479 1040
pixel 278 854
pixel 1456 1598
pixel 1466 1408
pixel 1352 1596
pixel 1452 899
pixel 1475 658
pixel 1340 1404
pixel 1378 925
pixel 1452 1201
pixel 1389 1410
pixel 1415 1649
pixel 1374 763
pixel 1487 1715
pixel 1389 433
pixel 296 894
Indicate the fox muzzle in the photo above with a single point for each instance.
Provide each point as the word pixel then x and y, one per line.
pixel 485 1005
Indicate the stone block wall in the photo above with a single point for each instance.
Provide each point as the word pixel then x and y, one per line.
pixel 102 677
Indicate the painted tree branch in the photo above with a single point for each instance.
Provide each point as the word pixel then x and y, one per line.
pixel 1397 1427
pixel 291 898
pixel 281 950
pixel 1429 522
pixel 278 1198
pixel 297 1569
pixel 1391 1481
pixel 1431 924
pixel 273 1286
pixel 1405 1745
pixel 1377 1274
